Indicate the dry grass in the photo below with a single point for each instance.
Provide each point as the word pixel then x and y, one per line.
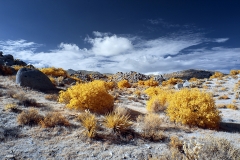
pixel 29 117
pixel 89 122
pixel 232 106
pixel 151 127
pixel 11 107
pixel 176 143
pixel 117 122
pixel 223 97
pixel 53 119
pixel 51 97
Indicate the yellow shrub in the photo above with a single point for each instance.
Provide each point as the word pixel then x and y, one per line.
pixel 137 93
pixel 232 106
pixel 153 91
pixel 159 102
pixel 217 75
pixel 171 81
pixel 92 96
pixel 150 83
pixel 195 108
pixel 193 79
pixel 234 72
pixel 56 72
pixel 123 84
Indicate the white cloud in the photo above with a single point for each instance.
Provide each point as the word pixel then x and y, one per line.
pixel 111 53
pixel 221 40
pixel 109 45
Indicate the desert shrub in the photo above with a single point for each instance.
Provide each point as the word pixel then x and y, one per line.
pixel 10 107
pixel 6 70
pixel 89 121
pixel 51 97
pixel 159 102
pixel 151 127
pixel 29 117
pixel 149 83
pixel 234 72
pixel 27 102
pixel 117 122
pixel 153 91
pixel 17 67
pixel 137 93
pixel 55 72
pixel 92 96
pixel 194 108
pixel 171 81
pixel 218 75
pixel 53 80
pixel 193 79
pixel 176 143
pixel 110 85
pixel 223 97
pixel 232 106
pixel 53 119
pixel 123 84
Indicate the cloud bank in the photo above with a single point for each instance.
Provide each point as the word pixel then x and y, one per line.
pixel 111 53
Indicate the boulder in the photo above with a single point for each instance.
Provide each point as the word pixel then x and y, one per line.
pixel 178 86
pixel 34 79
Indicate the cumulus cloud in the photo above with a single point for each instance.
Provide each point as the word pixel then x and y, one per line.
pixel 109 45
pixel 111 53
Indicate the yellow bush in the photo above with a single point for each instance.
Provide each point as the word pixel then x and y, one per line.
pixel 217 75
pixel 153 91
pixel 232 106
pixel 234 72
pixel 92 96
pixel 193 107
pixel 55 72
pixel 123 84
pixel 193 79
pixel 171 81
pixel 159 102
pixel 149 83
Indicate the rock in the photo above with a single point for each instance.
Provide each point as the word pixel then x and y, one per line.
pixel 186 84
pixel 178 86
pixel 34 79
pixel 9 56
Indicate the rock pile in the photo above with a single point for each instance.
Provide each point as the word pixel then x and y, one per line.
pixel 8 60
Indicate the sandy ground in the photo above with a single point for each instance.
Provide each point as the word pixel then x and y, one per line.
pixel 34 142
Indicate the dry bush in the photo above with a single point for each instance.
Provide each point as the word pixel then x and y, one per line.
pixel 123 84
pixel 53 119
pixel 117 122
pixel 56 72
pixel 221 106
pixel 232 106
pixel 29 117
pixel 89 121
pixel 53 80
pixel 51 97
pixel 158 103
pixel 11 93
pixel 223 89
pixel 171 81
pixel 148 83
pixel 223 97
pixel 10 107
pixel 217 75
pixel 138 93
pixel 205 87
pixel 234 72
pixel 193 79
pixel 92 96
pixel 194 108
pixel 208 82
pixel 6 70
pixel 218 148
pixel 176 143
pixel 151 127
pixel 121 111
pixel 22 100
pixel 111 85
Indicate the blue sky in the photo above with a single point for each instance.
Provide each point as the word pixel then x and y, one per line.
pixel 123 35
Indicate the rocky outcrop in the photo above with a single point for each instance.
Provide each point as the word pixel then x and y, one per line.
pixel 8 60
pixel 188 74
pixel 34 79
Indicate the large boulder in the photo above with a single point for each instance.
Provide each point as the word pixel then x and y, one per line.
pixel 34 79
